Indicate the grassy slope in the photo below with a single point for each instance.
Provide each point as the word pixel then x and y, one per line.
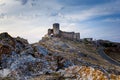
pixel 90 55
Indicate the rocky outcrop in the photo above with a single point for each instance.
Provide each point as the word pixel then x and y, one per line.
pixel 78 73
pixel 87 73
pixel 53 58
pixel 5 38
pixel 21 44
pixel 5 49
pixel 9 44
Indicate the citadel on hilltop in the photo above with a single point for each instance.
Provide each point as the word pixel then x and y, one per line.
pixel 56 32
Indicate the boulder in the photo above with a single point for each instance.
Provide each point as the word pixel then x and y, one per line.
pixel 4 49
pixel 5 38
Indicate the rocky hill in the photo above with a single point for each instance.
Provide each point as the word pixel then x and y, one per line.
pixel 53 58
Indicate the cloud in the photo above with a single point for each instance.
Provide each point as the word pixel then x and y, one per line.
pixel 83 2
pixel 32 19
pixel 92 12
pixel 32 28
pixel 117 20
pixel 52 8
pixel 24 2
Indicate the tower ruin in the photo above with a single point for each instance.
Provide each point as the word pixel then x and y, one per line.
pixel 56 30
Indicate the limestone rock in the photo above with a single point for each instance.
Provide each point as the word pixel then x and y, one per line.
pixel 88 73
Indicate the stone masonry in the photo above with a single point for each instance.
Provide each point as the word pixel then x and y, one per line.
pixel 56 32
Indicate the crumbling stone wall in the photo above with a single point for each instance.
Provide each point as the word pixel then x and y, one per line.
pixel 50 31
pixel 68 35
pixel 58 33
pixel 77 36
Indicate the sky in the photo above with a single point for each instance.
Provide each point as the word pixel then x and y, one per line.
pixel 30 19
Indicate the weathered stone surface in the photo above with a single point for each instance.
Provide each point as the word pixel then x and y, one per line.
pixel 5 38
pixel 58 33
pixel 5 49
pixel 87 73
pixel 9 44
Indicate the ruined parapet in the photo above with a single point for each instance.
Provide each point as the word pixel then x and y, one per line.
pixel 77 36
pixel 56 30
pixel 50 31
pixel 67 35
pixel 71 35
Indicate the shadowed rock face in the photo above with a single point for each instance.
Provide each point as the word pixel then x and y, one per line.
pixel 24 60
pixel 9 44
pixel 5 38
pixel 5 49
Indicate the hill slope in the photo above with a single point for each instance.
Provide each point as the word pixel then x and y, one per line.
pixel 52 58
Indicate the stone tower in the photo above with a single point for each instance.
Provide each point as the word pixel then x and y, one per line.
pixel 56 30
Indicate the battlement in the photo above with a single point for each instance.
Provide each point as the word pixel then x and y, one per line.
pixel 56 32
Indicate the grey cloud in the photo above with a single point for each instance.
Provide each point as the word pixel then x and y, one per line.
pixel 3 4
pixel 24 2
pixel 3 15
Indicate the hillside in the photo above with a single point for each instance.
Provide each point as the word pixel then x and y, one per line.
pixel 77 52
pixel 112 49
pixel 53 58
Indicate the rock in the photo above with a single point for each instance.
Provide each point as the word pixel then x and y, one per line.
pixel 5 49
pixel 4 72
pixel 62 63
pixel 15 44
pixel 40 50
pixel 21 44
pixel 87 73
pixel 22 40
pixel 5 38
pixel 54 59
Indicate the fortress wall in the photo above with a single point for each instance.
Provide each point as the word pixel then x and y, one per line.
pixel 77 36
pixel 68 35
pixel 56 32
pixel 50 31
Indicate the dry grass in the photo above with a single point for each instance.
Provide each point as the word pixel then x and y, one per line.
pixel 87 49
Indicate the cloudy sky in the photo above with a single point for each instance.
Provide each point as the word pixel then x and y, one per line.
pixel 30 19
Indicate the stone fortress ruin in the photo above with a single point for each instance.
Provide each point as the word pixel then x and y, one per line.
pixel 56 32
